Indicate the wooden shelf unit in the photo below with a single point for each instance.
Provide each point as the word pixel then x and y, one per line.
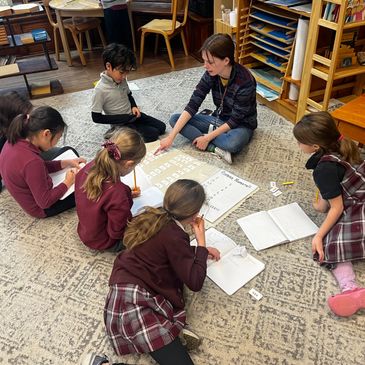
pixel 320 78
pixel 29 65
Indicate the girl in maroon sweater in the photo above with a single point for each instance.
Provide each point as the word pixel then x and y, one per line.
pixel 144 310
pixel 103 202
pixel 26 174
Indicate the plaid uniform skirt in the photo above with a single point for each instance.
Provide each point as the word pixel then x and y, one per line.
pixel 137 322
pixel 346 239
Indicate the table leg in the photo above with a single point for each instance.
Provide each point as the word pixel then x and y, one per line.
pixel 64 41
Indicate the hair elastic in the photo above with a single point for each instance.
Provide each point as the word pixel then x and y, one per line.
pixel 27 117
pixel 112 149
pixel 340 138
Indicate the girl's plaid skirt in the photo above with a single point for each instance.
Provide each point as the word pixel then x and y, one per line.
pixel 346 239
pixel 138 322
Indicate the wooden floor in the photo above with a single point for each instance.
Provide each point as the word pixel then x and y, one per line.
pixel 78 77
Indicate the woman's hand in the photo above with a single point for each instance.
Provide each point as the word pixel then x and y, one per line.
pixel 213 253
pixel 201 142
pixel 165 143
pixel 136 111
pixel 198 226
pixel 317 247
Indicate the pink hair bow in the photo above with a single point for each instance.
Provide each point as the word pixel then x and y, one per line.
pixel 112 149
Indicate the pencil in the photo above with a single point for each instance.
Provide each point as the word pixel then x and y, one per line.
pixel 287 183
pixel 135 179
pixel 317 195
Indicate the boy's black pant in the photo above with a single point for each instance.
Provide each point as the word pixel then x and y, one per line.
pixel 149 127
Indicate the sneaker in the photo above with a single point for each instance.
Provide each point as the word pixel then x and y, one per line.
pixel 225 155
pixel 92 358
pixel 347 303
pixel 190 339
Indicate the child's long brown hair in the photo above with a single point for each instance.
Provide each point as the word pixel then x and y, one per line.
pixel 128 145
pixel 319 128
pixel 182 200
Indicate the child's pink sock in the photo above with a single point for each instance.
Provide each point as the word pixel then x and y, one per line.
pixel 345 276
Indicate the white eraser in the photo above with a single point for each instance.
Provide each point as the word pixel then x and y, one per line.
pixel 277 193
pixel 254 293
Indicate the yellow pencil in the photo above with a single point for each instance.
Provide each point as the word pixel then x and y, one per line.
pixel 287 183
pixel 317 195
pixel 135 179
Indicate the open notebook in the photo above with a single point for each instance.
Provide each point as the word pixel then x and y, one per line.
pixel 236 266
pixel 279 225
pixel 151 196
pixel 59 176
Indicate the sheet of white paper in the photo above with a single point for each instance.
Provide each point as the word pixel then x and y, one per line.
pixel 151 197
pixel 143 182
pixel 293 221
pixel 261 230
pixel 133 86
pixel 224 190
pixel 232 271
pixel 59 176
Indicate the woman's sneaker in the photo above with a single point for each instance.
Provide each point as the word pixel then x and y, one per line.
pixel 93 358
pixel 225 155
pixel 190 339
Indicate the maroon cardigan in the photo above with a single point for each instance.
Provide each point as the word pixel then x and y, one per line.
pixel 26 176
pixel 102 222
pixel 162 264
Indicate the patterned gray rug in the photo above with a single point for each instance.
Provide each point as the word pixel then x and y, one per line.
pixel 52 288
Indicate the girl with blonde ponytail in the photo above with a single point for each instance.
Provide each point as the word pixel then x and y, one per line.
pixel 103 202
pixel 339 173
pixel 144 310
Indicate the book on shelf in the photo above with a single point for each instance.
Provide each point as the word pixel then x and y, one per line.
pixel 5 10
pixel 236 266
pixel 26 38
pixel 25 8
pixel 282 35
pixel 276 226
pixel 7 70
pixel 7 60
pixel 39 35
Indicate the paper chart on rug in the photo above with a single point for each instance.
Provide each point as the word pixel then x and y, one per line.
pixel 224 190
pixel 59 176
pixel 236 266
pixel 276 226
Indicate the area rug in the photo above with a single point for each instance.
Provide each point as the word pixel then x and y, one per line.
pixel 52 288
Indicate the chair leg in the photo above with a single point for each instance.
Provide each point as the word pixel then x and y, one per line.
pixel 101 35
pixel 79 49
pixel 80 41
pixel 88 40
pixel 141 53
pixel 184 42
pixel 56 45
pixel 156 44
pixel 169 51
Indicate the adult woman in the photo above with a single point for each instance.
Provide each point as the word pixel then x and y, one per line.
pixel 233 88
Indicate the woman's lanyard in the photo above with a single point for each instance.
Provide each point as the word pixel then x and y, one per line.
pixel 219 110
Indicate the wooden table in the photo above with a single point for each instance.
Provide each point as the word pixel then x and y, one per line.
pixel 81 8
pixel 351 119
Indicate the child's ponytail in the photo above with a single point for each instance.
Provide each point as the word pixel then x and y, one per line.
pixel 349 151
pixel 28 125
pixel 182 200
pixel 125 145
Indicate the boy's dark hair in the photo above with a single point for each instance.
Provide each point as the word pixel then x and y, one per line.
pixel 119 56
pixel 41 118
pixel 11 105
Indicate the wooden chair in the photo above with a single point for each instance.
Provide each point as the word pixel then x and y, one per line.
pixel 168 28
pixel 77 26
